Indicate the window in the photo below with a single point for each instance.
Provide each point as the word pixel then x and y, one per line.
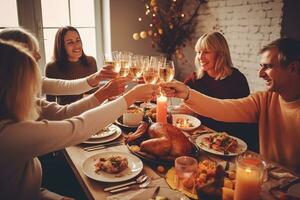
pixel 77 13
pixel 44 17
pixel 8 14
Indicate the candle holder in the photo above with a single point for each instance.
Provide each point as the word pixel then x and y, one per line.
pixel 250 170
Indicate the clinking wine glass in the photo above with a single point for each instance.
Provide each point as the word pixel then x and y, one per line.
pixel 166 74
pixel 136 66
pixel 111 58
pixel 124 63
pixel 150 75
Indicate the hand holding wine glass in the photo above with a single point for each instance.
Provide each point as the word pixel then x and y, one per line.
pixel 166 74
pixel 150 75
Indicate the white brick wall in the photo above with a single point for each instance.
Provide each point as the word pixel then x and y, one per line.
pixel 247 26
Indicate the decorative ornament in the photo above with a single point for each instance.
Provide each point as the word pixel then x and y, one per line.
pixel 150 32
pixel 160 31
pixel 171 26
pixel 136 36
pixel 143 34
pixel 153 3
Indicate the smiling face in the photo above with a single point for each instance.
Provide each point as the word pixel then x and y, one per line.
pixel 276 76
pixel 73 46
pixel 207 59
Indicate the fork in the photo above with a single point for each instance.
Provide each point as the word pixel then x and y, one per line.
pixel 140 179
pixel 142 185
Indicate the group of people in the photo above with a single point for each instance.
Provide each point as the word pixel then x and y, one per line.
pixel 31 126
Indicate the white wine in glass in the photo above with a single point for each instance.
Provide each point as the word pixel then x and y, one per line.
pixel 136 67
pixel 150 77
pixel 110 59
pixel 124 68
pixel 166 74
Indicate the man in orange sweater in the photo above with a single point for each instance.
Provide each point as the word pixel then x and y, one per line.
pixel 277 110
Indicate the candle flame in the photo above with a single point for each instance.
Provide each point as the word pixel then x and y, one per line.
pixel 248 170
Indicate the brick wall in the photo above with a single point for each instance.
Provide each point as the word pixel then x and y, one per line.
pixel 247 26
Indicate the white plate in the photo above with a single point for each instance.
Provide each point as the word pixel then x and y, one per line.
pixel 242 146
pixel 193 120
pixel 112 137
pixel 135 166
pixel 109 130
pixel 294 190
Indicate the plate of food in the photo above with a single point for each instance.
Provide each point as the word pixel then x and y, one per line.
pixel 205 174
pixel 107 131
pixel 185 122
pixel 221 143
pixel 115 135
pixel 112 166
pixel 160 143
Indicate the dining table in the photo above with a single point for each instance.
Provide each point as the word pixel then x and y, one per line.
pixel 94 190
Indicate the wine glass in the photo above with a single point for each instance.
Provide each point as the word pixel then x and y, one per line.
pixel 123 62
pixel 111 58
pixel 166 74
pixel 150 75
pixel 136 66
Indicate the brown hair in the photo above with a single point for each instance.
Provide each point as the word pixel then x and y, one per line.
pixel 215 42
pixel 60 55
pixel 288 48
pixel 20 81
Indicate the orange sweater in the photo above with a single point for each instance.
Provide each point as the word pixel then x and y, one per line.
pixel 279 121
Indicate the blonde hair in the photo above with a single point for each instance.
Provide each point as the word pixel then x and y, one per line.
pixel 20 81
pixel 215 42
pixel 21 36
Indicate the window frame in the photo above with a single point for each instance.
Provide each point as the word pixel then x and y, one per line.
pixel 30 17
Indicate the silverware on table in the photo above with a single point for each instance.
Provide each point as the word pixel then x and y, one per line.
pixel 142 185
pixel 102 146
pixel 140 179
pixel 155 193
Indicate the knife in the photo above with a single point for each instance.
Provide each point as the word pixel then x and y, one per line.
pixel 155 193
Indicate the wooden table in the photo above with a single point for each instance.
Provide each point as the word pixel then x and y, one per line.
pixel 94 190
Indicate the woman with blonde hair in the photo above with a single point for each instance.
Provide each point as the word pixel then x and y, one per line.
pixel 215 76
pixel 56 86
pixel 30 127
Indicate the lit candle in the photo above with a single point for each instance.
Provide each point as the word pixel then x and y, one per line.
pixel 161 109
pixel 249 176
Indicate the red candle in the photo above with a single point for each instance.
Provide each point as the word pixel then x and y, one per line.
pixel 161 109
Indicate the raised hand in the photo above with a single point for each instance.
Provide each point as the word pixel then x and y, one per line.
pixel 175 89
pixel 141 92
pixel 112 88
pixel 105 73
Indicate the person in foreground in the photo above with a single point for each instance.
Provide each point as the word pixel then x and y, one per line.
pixel 215 76
pixel 30 127
pixel 277 110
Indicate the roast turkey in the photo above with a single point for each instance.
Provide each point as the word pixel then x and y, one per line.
pixel 161 140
